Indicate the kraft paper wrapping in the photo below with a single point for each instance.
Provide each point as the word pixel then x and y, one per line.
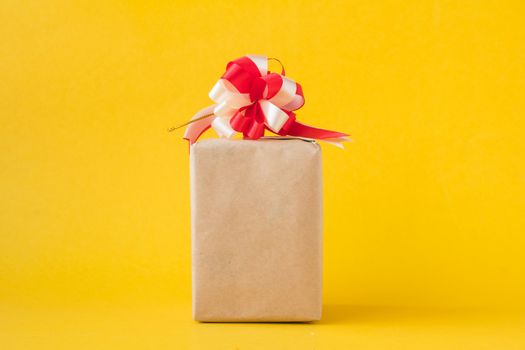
pixel 256 230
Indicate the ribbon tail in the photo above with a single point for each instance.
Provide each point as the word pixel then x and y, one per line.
pixel 338 142
pixel 195 129
pixel 302 130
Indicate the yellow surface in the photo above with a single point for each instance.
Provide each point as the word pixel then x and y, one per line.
pixel 424 211
pixel 168 327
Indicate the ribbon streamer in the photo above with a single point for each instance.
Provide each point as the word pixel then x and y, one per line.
pixel 249 99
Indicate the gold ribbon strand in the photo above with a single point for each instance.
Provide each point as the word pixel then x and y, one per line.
pixel 189 122
pixel 279 61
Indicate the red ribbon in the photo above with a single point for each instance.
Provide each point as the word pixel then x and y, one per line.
pixel 251 100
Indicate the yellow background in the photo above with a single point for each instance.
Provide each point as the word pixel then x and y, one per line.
pixel 425 210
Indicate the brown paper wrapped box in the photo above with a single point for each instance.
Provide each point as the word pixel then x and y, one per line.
pixel 256 230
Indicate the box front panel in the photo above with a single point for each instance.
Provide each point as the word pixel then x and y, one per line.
pixel 256 230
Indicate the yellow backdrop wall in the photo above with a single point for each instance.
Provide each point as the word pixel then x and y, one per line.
pixel 425 207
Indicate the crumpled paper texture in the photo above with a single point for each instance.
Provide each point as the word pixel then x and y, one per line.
pixel 256 230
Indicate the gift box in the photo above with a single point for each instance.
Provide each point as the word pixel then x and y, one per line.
pixel 256 202
pixel 256 210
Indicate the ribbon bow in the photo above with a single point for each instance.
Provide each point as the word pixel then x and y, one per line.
pixel 250 99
